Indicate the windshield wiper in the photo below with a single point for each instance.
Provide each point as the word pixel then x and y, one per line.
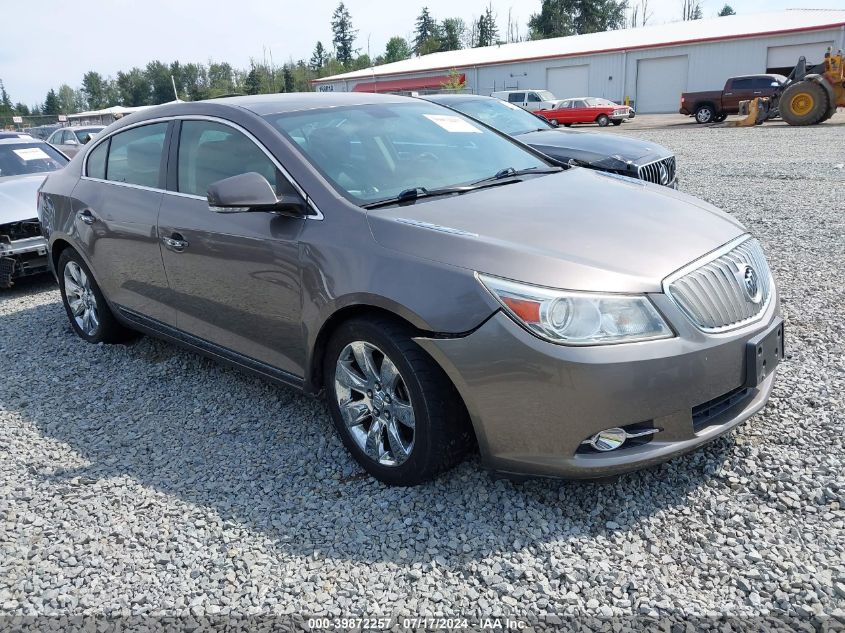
pixel 415 193
pixel 510 172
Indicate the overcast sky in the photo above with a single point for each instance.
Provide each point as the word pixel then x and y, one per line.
pixel 69 38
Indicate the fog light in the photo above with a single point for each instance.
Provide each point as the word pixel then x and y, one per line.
pixel 608 440
pixel 611 439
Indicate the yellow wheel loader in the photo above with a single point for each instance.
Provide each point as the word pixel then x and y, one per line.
pixel 812 97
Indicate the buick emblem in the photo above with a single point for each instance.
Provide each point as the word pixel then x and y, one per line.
pixel 664 174
pixel 749 282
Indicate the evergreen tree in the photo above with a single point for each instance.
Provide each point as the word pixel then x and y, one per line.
pixel 488 32
pixel 453 30
pixel 426 34
pixel 51 103
pixel 287 78
pixel 558 18
pixel 252 84
pixel 343 35
pixel 727 10
pixel 318 59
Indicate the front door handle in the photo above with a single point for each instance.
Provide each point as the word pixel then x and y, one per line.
pixel 175 243
pixel 86 216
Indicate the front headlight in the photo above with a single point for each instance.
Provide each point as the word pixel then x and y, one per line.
pixel 579 318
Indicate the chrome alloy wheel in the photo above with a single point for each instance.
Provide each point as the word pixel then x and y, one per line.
pixel 81 299
pixel 375 404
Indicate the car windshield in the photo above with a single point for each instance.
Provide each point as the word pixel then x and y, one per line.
pixel 545 95
pixel 374 152
pixel 501 115
pixel 33 157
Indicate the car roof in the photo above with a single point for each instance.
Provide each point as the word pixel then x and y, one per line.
pixel 455 98
pixel 294 101
pixel 12 140
pixel 757 75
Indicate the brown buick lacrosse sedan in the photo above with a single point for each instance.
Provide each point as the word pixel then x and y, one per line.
pixel 443 285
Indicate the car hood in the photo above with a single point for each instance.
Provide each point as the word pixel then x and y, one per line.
pixel 580 230
pixel 592 147
pixel 18 197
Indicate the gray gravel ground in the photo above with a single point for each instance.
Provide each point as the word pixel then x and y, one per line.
pixel 144 479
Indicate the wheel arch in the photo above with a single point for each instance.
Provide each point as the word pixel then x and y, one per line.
pixel 314 366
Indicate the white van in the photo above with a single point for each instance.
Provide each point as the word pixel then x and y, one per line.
pixel 529 99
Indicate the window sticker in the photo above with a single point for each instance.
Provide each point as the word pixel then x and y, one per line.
pixel 452 123
pixel 31 153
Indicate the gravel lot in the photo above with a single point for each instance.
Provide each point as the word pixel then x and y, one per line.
pixel 146 480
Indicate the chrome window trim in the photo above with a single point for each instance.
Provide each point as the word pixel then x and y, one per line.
pixel 198 117
pixel 703 261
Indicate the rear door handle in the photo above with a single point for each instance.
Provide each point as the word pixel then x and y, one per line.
pixel 175 242
pixel 86 216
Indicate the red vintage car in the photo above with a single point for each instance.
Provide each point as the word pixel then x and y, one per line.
pixel 587 110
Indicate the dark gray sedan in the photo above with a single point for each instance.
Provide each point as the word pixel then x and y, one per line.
pixel 443 285
pixel 607 152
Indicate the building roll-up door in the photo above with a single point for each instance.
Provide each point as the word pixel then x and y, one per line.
pixel 782 59
pixel 660 82
pixel 569 81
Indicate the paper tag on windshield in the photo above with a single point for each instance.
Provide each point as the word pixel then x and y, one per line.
pixel 31 153
pixel 452 123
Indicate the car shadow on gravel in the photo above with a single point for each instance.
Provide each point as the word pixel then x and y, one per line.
pixel 226 447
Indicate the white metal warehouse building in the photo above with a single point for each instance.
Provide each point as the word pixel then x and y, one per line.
pixel 651 65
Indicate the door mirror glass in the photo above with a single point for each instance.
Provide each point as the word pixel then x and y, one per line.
pixel 250 192
pixel 553 122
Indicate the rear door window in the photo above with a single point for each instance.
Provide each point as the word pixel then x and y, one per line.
pixel 135 155
pixel 533 98
pixel 743 84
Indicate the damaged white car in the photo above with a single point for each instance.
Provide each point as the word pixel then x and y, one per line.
pixel 24 163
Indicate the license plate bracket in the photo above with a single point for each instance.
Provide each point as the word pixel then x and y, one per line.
pixel 763 353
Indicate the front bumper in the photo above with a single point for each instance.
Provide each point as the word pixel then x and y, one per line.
pixel 21 258
pixel 532 403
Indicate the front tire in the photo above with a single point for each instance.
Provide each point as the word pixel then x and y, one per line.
pixel 89 314
pixel 804 103
pixel 721 116
pixel 617 122
pixel 603 120
pixel 394 408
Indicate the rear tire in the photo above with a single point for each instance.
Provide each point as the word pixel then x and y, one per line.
pixel 602 120
pixel 567 125
pixel 89 314
pixel 721 116
pixel 705 113
pixel 378 380
pixel 804 103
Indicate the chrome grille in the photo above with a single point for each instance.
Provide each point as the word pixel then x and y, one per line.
pixel 713 294
pixel 660 172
